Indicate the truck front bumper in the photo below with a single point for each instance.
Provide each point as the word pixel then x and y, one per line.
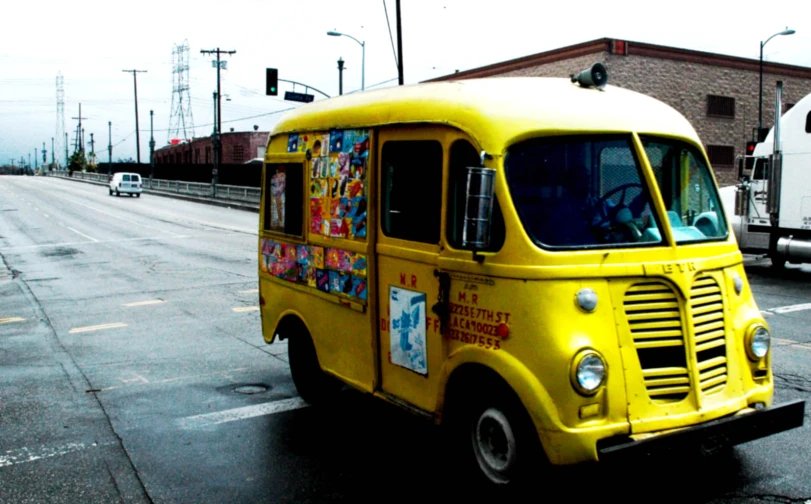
pixel 707 437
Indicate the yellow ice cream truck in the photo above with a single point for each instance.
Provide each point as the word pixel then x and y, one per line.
pixel 541 265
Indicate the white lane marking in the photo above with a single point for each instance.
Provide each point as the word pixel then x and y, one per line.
pixel 145 303
pixel 46 216
pixel 24 455
pixel 82 234
pixel 115 325
pixel 117 217
pixel 791 308
pixel 782 341
pixel 10 319
pixel 245 309
pixel 766 313
pixel 243 413
pixel 249 291
pixel 64 244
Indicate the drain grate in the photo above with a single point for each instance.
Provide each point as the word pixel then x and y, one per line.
pixel 251 389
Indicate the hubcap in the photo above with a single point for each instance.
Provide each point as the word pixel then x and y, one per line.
pixel 494 445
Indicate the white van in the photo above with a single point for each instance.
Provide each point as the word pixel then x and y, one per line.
pixel 127 183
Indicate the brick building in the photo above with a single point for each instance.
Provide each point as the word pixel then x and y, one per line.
pixel 718 94
pixel 237 147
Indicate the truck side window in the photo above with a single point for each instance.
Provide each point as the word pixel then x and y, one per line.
pixel 284 198
pixel 412 190
pixel 463 155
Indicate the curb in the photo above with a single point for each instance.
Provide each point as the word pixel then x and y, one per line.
pixel 235 204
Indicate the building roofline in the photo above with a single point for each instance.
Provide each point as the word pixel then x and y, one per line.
pixel 633 49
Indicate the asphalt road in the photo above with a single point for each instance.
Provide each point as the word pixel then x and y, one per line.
pixel 129 331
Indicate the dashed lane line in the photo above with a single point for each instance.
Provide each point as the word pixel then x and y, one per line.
pixel 101 327
pixel 791 308
pixel 242 413
pixel 249 291
pixel 245 309
pixel 10 320
pixel 83 235
pixel 145 303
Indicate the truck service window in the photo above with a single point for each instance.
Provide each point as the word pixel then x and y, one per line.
pixel 412 190
pixel 284 203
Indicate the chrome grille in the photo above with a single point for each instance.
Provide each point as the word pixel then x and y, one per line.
pixel 707 307
pixel 654 318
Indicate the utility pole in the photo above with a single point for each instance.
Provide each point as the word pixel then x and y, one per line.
pixel 53 154
pixel 79 128
pixel 137 133
pixel 151 148
pixel 109 149
pixel 399 44
pixel 215 172
pixel 340 76
pixel 66 150
pixel 44 156
pixel 29 159
pixel 219 94
pixel 92 147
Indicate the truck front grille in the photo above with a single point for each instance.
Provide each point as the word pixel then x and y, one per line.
pixel 707 307
pixel 654 317
pixel 653 314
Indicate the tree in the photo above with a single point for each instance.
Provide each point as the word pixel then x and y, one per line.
pixel 77 162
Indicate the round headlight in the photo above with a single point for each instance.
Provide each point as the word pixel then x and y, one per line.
pixel 588 372
pixel 759 343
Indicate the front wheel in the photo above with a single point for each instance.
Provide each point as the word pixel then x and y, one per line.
pixel 312 383
pixel 498 440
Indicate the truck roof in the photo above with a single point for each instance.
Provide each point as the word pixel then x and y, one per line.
pixel 496 112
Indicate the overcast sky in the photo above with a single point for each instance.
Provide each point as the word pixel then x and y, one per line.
pixel 90 42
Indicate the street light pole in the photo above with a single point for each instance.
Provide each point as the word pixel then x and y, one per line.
pixel 760 97
pixel 363 56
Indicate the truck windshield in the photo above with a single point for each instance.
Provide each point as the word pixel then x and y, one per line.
pixel 689 194
pixel 581 192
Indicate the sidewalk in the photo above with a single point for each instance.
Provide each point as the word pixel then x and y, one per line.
pixel 236 204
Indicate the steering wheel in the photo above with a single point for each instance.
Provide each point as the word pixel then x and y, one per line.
pixel 606 219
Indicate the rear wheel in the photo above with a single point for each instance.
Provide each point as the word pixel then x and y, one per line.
pixel 117 193
pixel 137 195
pixel 312 383
pixel 111 191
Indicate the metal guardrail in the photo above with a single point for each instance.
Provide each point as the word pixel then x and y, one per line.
pixel 225 192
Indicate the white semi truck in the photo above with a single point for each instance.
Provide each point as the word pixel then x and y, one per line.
pixel 772 202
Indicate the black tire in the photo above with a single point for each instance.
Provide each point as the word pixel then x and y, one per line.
pixel 138 195
pixel 117 194
pixel 497 439
pixel 312 383
pixel 111 191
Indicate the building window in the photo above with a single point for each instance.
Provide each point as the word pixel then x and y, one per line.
pixel 239 153
pixel 208 155
pixel 412 190
pixel 721 106
pixel 284 198
pixel 721 155
pixel 197 156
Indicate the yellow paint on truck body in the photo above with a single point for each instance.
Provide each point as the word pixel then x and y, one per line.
pixel 527 289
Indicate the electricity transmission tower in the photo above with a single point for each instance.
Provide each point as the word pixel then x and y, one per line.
pixel 181 122
pixel 60 113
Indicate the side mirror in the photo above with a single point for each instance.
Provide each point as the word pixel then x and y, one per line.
pixel 479 197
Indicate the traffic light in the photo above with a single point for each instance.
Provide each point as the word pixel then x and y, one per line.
pixel 272 82
pixel 750 148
